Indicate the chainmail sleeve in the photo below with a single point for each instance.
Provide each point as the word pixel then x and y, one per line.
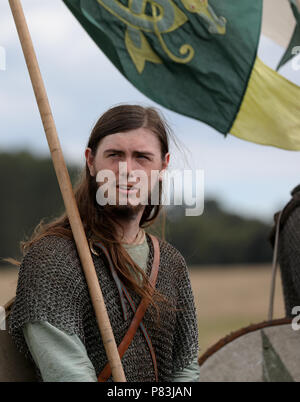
pixel 49 289
pixel 185 346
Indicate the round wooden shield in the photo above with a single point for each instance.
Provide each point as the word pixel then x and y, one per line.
pixel 13 365
pixel 264 352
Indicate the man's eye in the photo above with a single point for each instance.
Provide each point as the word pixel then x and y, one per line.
pixel 143 157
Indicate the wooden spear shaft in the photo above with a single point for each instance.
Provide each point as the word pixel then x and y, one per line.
pixel 67 192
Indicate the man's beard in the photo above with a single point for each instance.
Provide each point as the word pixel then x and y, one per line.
pixel 121 211
pixel 124 212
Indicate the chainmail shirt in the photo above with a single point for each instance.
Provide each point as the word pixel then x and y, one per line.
pixel 52 288
pixel 289 260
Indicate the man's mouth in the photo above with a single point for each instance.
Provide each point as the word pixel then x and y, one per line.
pixel 126 188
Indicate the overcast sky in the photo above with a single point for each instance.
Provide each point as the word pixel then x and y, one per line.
pixel 82 83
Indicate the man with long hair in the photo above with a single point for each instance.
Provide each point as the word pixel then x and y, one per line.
pixel 53 321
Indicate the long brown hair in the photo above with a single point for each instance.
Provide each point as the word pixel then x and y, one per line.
pixel 99 224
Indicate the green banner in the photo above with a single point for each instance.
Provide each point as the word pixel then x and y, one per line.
pixel 295 39
pixel 192 56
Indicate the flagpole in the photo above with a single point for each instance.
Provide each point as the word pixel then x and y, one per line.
pixel 67 192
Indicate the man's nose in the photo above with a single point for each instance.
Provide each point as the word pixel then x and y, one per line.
pixel 129 167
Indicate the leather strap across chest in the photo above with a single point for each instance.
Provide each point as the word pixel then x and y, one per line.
pixel 139 312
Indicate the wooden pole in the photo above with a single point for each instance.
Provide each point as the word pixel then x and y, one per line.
pixel 274 268
pixel 67 192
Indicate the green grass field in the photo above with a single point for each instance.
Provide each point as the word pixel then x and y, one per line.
pixel 226 298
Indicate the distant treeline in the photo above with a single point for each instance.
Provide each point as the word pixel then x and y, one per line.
pixel 218 237
pixel 30 192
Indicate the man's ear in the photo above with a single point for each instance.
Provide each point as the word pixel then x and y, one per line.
pixel 164 166
pixel 89 160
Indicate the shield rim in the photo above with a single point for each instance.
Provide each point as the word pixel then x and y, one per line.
pixel 238 333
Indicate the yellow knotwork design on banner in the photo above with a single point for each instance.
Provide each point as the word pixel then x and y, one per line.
pixel 166 17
